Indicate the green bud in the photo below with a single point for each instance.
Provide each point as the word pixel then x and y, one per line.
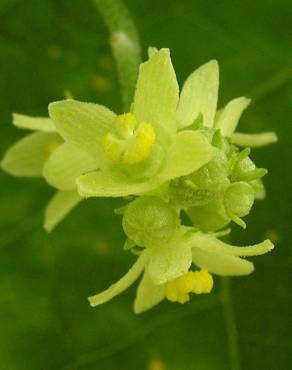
pixel 213 174
pixel 149 221
pixel 245 170
pixel 238 199
pixel 210 217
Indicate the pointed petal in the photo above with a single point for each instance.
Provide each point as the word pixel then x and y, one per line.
pixel 148 294
pixel 221 264
pixel 227 118
pixel 66 164
pixel 190 151
pixel 105 184
pixel 82 124
pixel 59 206
pixel 122 284
pixel 254 140
pixel 156 94
pixel 43 124
pixel 259 188
pixel 209 243
pixel 28 155
pixel 169 262
pixel 199 95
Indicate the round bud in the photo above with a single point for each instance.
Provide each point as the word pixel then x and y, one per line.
pixel 149 221
pixel 238 199
pixel 209 217
pixel 213 174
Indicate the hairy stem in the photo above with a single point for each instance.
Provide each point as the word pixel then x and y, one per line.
pixel 125 45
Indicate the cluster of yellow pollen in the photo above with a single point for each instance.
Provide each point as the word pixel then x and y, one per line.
pixel 131 143
pixel 197 282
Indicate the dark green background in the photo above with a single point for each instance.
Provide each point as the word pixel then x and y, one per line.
pixel 48 46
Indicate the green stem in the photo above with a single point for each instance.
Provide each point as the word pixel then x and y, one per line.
pixel 125 45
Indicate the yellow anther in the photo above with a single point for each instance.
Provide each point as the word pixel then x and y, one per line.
pixel 111 146
pixel 125 124
pixel 197 282
pixel 52 147
pixel 203 282
pixel 141 145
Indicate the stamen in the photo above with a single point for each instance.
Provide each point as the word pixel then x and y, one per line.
pixel 197 282
pixel 111 146
pixel 132 142
pixel 125 124
pixel 141 147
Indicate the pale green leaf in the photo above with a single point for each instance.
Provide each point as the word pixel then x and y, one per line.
pixel 82 124
pixel 253 140
pixel 66 164
pixel 227 118
pixel 128 279
pixel 43 124
pixel 28 155
pixel 59 206
pixel 106 184
pixel 189 151
pixel 199 95
pixel 156 94
pixel 148 294
pixel 221 264
pixel 168 262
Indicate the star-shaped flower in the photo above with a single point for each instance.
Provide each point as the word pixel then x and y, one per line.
pixel 135 152
pixel 169 251
pixel 166 269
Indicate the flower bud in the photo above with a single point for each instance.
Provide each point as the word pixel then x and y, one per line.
pixel 210 217
pixel 149 221
pixel 238 199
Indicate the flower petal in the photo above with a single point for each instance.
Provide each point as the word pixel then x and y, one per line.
pixel 189 151
pixel 209 243
pixel 253 140
pixel 148 294
pixel 221 264
pixel 199 95
pixel 82 124
pixel 168 262
pixel 59 206
pixel 28 155
pixel 105 184
pixel 227 118
pixel 43 124
pixel 156 94
pixel 66 164
pixel 122 284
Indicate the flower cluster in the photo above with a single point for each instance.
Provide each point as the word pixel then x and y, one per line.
pixel 172 154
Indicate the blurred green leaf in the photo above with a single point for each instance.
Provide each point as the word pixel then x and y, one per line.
pixel 51 46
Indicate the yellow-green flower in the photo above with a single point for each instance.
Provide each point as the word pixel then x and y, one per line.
pixel 166 267
pixel 169 249
pixel 135 152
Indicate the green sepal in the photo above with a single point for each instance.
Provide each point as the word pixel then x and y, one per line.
pixel 83 125
pixel 43 124
pixel 66 164
pixel 156 95
pixel 59 207
pixel 199 96
pixel 148 294
pixel 28 155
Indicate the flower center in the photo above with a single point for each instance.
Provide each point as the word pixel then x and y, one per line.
pixel 197 282
pixel 132 141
